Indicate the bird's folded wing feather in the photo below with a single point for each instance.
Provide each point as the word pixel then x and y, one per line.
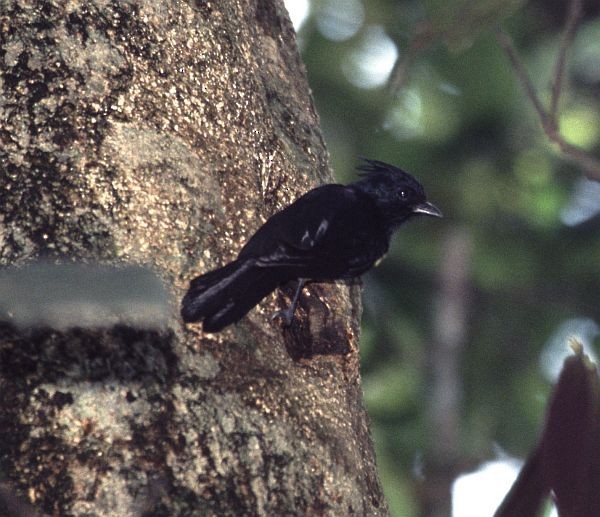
pixel 309 228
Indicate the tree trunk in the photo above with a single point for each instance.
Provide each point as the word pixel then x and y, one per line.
pixel 443 462
pixel 163 134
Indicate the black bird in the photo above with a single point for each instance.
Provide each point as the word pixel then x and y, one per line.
pixel 332 232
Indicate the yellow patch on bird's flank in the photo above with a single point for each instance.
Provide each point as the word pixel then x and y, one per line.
pixel 378 261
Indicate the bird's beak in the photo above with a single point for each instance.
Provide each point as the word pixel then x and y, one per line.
pixel 428 209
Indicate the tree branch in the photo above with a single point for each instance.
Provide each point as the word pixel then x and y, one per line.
pixel 519 69
pixel 549 118
pixel 423 38
pixel 573 17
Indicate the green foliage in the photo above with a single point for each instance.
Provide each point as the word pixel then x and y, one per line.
pixel 462 125
pixel 461 22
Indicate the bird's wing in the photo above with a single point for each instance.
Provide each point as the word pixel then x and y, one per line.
pixel 315 227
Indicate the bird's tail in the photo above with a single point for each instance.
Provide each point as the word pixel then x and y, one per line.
pixel 224 296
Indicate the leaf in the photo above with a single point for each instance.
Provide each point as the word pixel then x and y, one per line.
pixel 567 459
pixel 571 439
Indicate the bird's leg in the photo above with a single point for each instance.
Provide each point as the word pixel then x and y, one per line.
pixel 288 314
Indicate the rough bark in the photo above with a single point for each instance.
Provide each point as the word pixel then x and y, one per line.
pixel 162 134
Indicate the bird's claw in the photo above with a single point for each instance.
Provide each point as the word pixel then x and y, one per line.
pixel 285 315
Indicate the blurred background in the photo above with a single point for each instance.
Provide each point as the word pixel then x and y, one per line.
pixel 467 322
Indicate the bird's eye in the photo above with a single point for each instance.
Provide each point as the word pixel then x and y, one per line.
pixel 403 194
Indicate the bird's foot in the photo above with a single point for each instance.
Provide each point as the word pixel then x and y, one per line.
pixel 286 315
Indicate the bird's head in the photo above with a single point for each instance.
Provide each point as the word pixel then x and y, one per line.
pixel 397 194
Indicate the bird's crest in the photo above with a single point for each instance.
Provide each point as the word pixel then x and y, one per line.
pixel 375 169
